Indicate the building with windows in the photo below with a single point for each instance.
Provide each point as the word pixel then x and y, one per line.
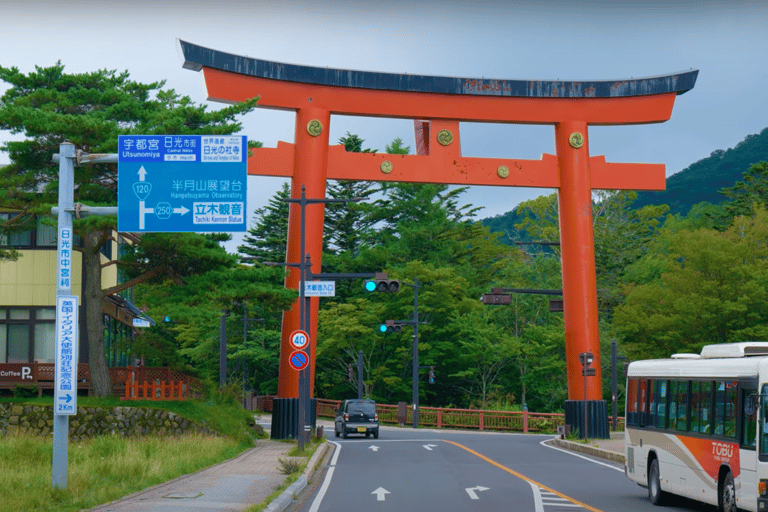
pixel 28 299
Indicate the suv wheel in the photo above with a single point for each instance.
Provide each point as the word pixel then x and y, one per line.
pixel 375 434
pixel 344 432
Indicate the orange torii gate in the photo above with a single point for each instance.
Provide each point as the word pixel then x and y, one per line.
pixel 437 105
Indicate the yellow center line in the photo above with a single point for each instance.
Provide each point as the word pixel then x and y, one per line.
pixel 523 477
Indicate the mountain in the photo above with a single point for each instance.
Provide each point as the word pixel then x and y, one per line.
pixel 701 181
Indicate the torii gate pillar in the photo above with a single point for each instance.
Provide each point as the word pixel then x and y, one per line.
pixel 437 105
pixel 310 163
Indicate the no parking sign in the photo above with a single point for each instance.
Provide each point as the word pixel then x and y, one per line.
pixel 298 360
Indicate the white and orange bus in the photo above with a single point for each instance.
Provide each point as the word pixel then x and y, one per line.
pixel 697 426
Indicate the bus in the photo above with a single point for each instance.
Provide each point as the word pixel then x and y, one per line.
pixel 697 426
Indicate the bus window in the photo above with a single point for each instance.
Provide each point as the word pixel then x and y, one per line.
pixel 730 409
pixel 764 423
pixel 660 398
pixel 706 418
pixel 678 405
pixel 719 408
pixel 642 402
pixel 749 421
pixel 652 387
pixel 696 400
pixel 632 402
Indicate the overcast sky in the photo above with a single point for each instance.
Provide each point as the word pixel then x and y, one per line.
pixel 726 40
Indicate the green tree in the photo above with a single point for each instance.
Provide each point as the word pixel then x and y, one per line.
pixel 90 110
pixel 711 290
pixel 744 195
pixel 268 238
pixel 347 223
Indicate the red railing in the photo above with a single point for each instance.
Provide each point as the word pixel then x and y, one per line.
pixel 44 374
pixel 440 417
pixel 156 390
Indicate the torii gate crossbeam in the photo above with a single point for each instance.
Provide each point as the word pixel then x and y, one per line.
pixel 437 105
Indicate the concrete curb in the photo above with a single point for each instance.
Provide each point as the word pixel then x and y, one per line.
pixel 589 450
pixel 280 503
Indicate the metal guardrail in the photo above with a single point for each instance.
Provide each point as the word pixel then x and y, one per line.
pixel 441 417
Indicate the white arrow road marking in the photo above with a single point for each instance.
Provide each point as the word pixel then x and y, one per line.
pixel 380 493
pixel 142 173
pixel 181 210
pixel 374 448
pixel 429 446
pixel 472 493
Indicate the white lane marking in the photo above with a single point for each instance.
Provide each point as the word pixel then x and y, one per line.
pixel 380 493
pixel 374 448
pixel 538 506
pixel 473 494
pixel 430 446
pixel 544 443
pixel 336 453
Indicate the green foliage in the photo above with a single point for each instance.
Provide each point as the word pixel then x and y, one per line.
pixel 711 290
pixel 703 180
pixel 745 195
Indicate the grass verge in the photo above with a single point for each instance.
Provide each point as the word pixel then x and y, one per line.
pixel 100 470
pixel 107 468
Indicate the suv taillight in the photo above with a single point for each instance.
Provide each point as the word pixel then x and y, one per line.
pixel 346 416
pixel 375 417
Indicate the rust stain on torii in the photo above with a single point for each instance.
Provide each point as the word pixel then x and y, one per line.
pixel 437 105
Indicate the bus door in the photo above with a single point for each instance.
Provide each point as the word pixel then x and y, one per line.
pixel 748 402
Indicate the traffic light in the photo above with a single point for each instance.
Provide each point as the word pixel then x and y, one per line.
pixel 382 283
pixel 431 374
pixel 389 326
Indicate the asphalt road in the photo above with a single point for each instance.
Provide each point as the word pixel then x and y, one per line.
pixel 430 470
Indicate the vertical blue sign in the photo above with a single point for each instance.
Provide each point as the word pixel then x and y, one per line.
pixel 182 183
pixel 65 384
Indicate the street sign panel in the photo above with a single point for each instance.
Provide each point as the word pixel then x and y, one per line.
pixel 141 322
pixel 182 183
pixel 496 299
pixel 319 288
pixel 299 339
pixel 65 383
pixel 298 360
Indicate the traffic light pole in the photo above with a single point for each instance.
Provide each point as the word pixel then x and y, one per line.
pixel 305 273
pixel 415 372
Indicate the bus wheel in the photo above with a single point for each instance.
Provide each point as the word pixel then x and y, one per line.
pixel 655 493
pixel 728 494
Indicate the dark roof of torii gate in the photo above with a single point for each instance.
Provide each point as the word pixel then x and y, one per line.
pixel 196 57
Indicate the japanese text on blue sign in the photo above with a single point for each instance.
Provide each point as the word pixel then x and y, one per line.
pixel 65 386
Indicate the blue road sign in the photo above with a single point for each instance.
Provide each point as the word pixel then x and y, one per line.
pixel 298 360
pixel 182 183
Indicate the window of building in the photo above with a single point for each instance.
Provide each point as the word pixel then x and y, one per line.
pixel 27 335
pixel 43 236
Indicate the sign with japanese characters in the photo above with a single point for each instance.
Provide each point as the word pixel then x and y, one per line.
pixel 319 288
pixel 65 383
pixel 64 259
pixel 182 183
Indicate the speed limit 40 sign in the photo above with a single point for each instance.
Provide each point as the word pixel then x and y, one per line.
pixel 299 339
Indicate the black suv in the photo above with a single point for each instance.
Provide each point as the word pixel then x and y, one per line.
pixel 357 417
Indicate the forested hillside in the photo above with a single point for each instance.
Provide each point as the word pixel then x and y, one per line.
pixel 701 181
